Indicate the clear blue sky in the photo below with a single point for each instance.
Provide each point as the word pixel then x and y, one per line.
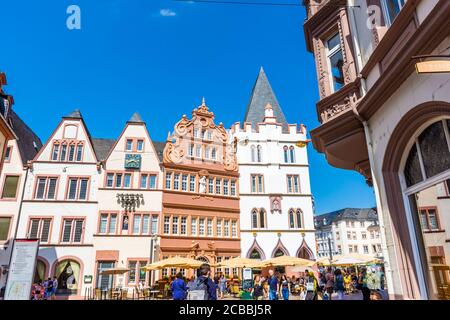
pixel 129 57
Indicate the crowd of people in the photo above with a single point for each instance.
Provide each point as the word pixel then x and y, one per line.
pixel 44 290
pixel 324 284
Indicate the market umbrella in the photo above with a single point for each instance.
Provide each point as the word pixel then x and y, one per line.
pixel 353 259
pixel 175 262
pixel 283 261
pixel 324 261
pixel 118 270
pixel 239 262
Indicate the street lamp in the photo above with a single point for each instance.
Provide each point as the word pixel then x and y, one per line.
pixel 329 247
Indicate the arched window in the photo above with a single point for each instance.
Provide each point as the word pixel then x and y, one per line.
pixel 262 218
pixel 292 154
pixel 253 151
pixel 40 271
pixel 68 274
pixel 429 154
pixel 299 218
pixel 279 253
pixel 291 219
pixel 255 254
pixel 285 153
pixel 254 219
pixel 259 153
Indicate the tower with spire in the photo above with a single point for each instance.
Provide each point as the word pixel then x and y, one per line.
pixel 275 194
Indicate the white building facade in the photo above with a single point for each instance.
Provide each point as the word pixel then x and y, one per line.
pixel 275 194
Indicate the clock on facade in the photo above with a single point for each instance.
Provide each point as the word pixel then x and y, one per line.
pixel 132 161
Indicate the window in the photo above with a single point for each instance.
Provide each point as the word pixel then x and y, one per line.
pixel 234 228
pixel 209 228
pixel 5 223
pixel 55 152
pixel 8 154
pixel 79 152
pixel 176 181
pixel 428 219
pixel 194 226
pixel 363 235
pixel 292 154
pixel 154 224
pixel 129 145
pixel 174 225
pixel 209 135
pixel 354 235
pixel 225 187
pixel 183 226
pixel 259 153
pixel 110 180
pixel 118 180
pixel 291 219
pixel 391 9
pixel 210 185
pixel 233 187
pixel 77 189
pixel 286 154
pixel 39 229
pixel 219 227
pixel 127 180
pixel 137 223
pixel 46 188
pixel 191 150
pixel 214 153
pixel 72 230
pixel 108 223
pixel 184 178
pixel 198 151
pixel 10 187
pixel 349 235
pixel 166 225
pixel 366 249
pixel 71 152
pixel 257 183
pixel 262 218
pixel 168 180
pixel 338 236
pixel 192 183
pixel 336 62
pixel 339 247
pixel 201 227
pixel 207 152
pixel 298 217
pixel 254 219
pixel 63 152
pixel 293 183
pixel 140 145
pixel 132 273
pixel 195 133
pixel 218 185
pixel 361 224
pixel 253 153
pixel 226 231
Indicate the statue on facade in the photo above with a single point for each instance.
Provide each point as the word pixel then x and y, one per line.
pixel 202 185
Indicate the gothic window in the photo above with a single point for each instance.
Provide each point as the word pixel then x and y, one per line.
pixel 278 253
pixel 259 154
pixel 285 153
pixel 254 219
pixel 292 154
pixel 262 218
pixel 299 218
pixel 255 254
pixel 253 151
pixel 429 155
pixel 291 219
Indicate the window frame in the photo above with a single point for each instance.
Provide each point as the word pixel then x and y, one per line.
pixel 72 230
pixel 40 220
pixel 329 52
pixel 78 188
pixel 46 187
pixel 16 194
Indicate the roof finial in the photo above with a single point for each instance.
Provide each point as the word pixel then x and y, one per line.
pixel 168 137
pixel 203 102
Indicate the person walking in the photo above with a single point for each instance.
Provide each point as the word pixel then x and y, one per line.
pixel 222 282
pixel 339 287
pixel 55 287
pixel 48 285
pixel 285 287
pixel 311 286
pixel 203 287
pixel 329 286
pixel 258 289
pixel 273 285
pixel 362 283
pixel 178 288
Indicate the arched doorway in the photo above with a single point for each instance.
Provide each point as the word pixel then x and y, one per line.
pixel 304 251
pixel 40 272
pixel 68 273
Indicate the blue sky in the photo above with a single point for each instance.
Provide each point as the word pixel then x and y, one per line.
pixel 131 56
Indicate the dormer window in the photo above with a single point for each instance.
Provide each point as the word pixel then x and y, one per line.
pixel 140 145
pixel 129 145
pixel 335 62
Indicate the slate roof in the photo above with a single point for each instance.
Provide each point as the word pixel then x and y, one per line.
pixel 74 114
pixel 159 146
pixel 261 95
pixel 355 214
pixel 102 147
pixel 136 118
pixel 28 142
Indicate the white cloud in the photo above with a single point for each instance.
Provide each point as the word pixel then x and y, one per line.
pixel 167 13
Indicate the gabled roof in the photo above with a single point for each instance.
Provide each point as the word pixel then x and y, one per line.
pixel 102 147
pixel 262 94
pixel 136 118
pixel 28 142
pixel 159 147
pixel 356 214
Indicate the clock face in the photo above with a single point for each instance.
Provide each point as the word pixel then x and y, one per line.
pixel 132 161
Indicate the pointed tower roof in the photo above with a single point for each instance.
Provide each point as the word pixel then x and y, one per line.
pixel 262 94
pixel 136 118
pixel 74 114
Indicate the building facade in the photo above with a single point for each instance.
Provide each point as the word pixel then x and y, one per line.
pixel 381 118
pixel 200 214
pixel 348 231
pixel 21 147
pixel 275 193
